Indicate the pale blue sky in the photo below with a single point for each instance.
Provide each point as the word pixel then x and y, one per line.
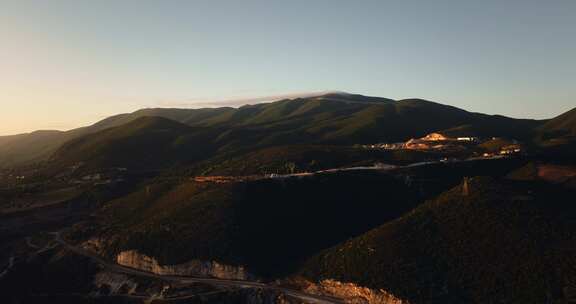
pixel 65 64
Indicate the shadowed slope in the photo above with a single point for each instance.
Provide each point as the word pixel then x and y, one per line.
pixel 507 242
pixel 557 137
pixel 269 225
pixel 146 143
pixel 563 125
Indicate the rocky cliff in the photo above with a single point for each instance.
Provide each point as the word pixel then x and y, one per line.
pixel 213 269
pixel 352 293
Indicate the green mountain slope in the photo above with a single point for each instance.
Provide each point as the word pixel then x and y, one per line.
pixel 506 242
pixel 39 146
pixel 557 137
pixel 329 119
pixel 146 143
pixel 270 226
pixel 26 148
pixel 295 158
pixel 563 125
pixel 335 119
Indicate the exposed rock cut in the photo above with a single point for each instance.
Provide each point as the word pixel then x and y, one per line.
pixel 352 293
pixel 213 269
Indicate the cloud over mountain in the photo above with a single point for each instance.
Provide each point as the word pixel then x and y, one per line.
pixel 237 101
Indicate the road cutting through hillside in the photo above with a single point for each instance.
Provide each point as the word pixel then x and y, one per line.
pixel 308 298
pixel 224 179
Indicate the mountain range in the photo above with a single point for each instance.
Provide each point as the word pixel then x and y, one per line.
pixel 293 195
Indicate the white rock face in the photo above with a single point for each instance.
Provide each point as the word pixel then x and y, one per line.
pixel 133 259
pixel 352 293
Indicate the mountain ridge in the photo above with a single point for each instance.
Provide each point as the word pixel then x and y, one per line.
pixel 333 118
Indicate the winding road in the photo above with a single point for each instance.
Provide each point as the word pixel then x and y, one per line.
pixel 380 167
pixel 308 298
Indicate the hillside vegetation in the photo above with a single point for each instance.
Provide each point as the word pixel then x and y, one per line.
pixel 328 119
pixel 271 226
pixel 306 158
pixel 179 185
pixel 557 138
pixel 506 242
pixel 267 225
pixel 325 120
pixel 563 125
pixel 146 143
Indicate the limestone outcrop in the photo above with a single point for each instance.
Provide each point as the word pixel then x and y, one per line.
pixel 134 259
pixel 352 293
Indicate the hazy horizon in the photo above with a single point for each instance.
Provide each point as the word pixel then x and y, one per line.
pixel 68 64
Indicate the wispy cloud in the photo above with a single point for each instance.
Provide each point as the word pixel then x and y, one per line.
pixel 235 101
